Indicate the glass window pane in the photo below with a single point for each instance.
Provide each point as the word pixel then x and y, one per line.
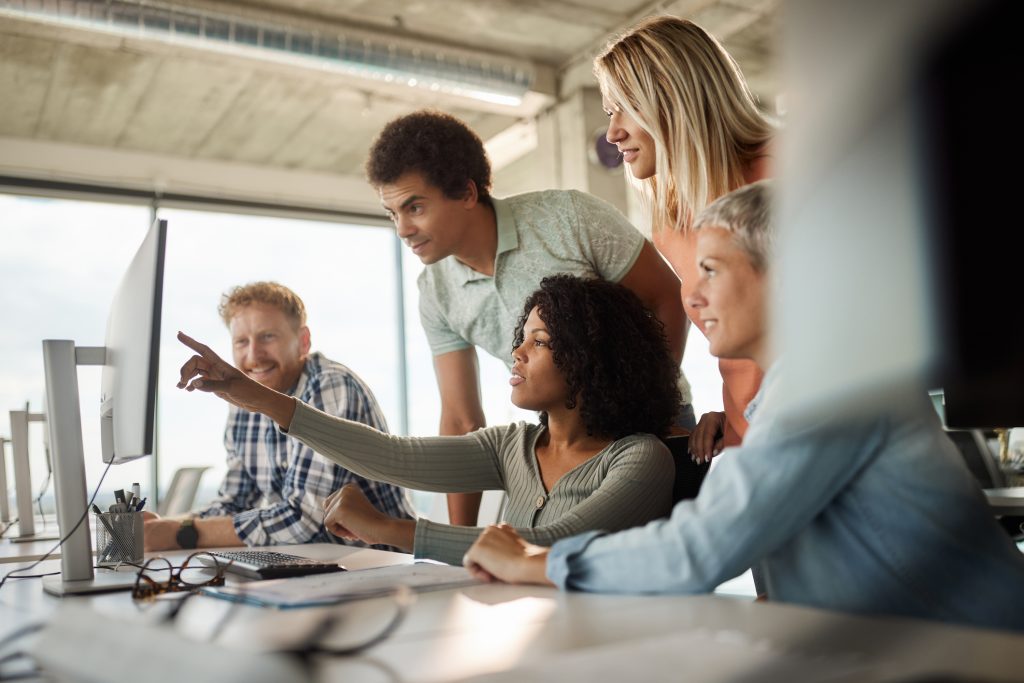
pixel 345 276
pixel 60 264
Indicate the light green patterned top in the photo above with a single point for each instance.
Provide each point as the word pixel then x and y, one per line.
pixel 627 484
pixel 539 234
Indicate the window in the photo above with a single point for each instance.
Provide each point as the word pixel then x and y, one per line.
pixel 60 264
pixel 343 273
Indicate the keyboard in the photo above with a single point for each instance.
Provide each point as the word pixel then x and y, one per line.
pixel 265 564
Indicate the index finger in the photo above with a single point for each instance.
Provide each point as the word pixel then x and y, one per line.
pixel 200 348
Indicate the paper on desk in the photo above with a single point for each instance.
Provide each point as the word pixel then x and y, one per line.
pixel 326 589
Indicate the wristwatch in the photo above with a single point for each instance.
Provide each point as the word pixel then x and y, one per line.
pixel 187 536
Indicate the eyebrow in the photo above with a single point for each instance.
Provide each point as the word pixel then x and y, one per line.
pixel 404 204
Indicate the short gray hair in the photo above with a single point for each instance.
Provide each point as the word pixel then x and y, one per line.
pixel 747 214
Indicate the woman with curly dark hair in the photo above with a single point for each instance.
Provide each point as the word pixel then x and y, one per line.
pixel 588 357
pixel 610 350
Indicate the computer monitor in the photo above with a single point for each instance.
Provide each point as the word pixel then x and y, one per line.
pixel 129 381
pixel 128 411
pixel 895 271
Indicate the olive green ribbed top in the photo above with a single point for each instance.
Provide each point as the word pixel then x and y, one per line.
pixel 627 484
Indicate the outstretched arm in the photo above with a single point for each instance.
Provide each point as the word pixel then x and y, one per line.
pixel 445 464
pixel 206 371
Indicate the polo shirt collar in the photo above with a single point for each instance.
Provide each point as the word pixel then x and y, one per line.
pixel 508 239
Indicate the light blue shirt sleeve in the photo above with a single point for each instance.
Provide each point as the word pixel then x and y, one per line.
pixel 440 336
pixel 757 498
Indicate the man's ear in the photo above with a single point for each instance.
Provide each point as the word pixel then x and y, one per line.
pixel 304 341
pixel 471 196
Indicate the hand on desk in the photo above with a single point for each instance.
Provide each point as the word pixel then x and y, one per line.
pixel 206 371
pixel 501 554
pixel 349 514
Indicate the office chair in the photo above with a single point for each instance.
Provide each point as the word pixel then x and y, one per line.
pixel 182 491
pixel 689 475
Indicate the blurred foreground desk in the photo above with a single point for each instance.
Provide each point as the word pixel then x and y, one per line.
pixel 509 633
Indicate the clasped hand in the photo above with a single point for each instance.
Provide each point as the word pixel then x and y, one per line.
pixel 349 514
pixel 501 554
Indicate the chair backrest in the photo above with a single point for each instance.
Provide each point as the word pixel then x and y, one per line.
pixel 182 492
pixel 689 475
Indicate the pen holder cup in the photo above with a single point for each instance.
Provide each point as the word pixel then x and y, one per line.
pixel 119 538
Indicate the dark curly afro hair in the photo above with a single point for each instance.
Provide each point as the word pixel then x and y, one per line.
pixel 612 353
pixel 439 146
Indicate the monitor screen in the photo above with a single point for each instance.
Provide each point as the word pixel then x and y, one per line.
pixel 128 398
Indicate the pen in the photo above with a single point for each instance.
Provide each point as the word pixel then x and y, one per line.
pixel 142 504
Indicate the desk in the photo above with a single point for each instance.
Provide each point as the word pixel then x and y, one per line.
pixel 513 633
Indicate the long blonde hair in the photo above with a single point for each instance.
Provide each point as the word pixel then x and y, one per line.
pixel 688 93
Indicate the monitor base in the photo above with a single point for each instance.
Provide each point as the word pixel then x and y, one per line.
pixel 104 581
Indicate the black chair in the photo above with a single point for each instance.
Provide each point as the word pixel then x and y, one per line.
pixel 689 475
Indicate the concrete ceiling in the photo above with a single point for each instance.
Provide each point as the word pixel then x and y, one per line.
pixel 73 86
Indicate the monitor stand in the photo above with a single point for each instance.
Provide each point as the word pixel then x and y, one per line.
pixel 103 581
pixel 5 506
pixel 24 496
pixel 60 360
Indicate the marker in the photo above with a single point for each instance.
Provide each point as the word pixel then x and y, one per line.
pixel 136 490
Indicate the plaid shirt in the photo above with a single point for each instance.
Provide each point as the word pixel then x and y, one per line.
pixel 275 485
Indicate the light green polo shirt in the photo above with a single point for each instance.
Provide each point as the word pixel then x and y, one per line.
pixel 539 234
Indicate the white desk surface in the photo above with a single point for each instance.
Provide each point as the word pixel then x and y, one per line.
pixel 511 633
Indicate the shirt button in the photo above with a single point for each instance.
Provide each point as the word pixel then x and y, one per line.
pixel 540 502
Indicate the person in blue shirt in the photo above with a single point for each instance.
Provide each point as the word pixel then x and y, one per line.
pixel 871 512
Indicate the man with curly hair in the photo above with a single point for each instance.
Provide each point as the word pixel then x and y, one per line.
pixel 485 255
pixel 275 486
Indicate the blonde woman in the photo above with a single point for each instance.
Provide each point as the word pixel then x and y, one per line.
pixel 689 130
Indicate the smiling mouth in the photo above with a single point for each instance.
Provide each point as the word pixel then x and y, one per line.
pixel 629 155
pixel 416 248
pixel 262 370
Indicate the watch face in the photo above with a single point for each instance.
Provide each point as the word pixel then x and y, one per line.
pixel 187 536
